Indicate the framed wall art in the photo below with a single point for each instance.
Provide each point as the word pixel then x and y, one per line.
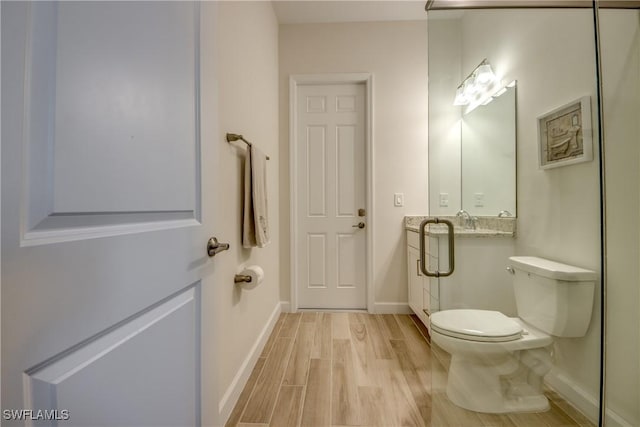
pixel 565 135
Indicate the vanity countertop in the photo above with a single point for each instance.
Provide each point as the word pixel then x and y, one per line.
pixel 486 226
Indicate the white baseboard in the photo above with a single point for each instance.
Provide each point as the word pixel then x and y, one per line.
pixel 285 306
pixel 230 397
pixel 582 400
pixel 378 307
pixel 392 308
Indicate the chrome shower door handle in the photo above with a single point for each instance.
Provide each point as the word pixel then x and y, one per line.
pixel 423 254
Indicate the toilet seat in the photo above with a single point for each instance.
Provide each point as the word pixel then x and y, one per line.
pixel 476 325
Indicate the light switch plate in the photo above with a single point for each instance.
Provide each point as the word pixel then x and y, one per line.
pixel 444 200
pixel 398 199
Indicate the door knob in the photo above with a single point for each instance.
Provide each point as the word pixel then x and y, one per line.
pixel 358 225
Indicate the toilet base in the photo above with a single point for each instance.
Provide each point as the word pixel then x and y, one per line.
pixel 493 385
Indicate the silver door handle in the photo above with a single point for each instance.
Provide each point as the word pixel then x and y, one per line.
pixel 423 255
pixel 358 225
pixel 214 247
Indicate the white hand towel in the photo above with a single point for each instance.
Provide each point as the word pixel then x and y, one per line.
pixel 255 230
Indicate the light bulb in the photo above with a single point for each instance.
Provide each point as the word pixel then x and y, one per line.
pixel 484 74
pixel 469 88
pixel 460 99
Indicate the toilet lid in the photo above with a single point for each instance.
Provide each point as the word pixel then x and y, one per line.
pixel 476 325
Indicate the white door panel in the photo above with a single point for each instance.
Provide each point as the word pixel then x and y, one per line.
pixel 316 166
pixel 103 241
pixel 331 183
pixel 149 98
pixel 110 135
pixel 119 368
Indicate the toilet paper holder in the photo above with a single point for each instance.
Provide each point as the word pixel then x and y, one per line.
pixel 242 278
pixel 250 277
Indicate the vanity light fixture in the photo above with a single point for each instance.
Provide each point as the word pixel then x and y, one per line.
pixel 490 97
pixel 503 89
pixel 477 87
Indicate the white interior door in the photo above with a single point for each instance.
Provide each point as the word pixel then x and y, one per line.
pixel 332 188
pixel 102 234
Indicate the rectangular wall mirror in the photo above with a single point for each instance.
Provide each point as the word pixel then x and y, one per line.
pixel 472 147
pixel 488 156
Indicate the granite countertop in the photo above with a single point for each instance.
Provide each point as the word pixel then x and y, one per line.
pixel 486 226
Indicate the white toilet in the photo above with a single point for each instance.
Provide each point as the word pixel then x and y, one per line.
pixel 497 362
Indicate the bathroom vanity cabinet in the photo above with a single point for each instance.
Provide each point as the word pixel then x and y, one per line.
pixel 423 290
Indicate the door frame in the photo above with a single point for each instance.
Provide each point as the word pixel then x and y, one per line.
pixel 296 80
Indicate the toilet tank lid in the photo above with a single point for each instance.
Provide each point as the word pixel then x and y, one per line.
pixel 551 269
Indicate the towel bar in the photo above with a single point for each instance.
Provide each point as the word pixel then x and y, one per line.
pixel 236 137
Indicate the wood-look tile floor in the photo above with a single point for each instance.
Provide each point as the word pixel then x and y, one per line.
pixel 357 369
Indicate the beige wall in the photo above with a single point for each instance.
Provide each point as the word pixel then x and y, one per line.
pixel 240 95
pixel 620 40
pixel 395 53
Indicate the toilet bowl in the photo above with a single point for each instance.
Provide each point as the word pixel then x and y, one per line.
pixel 498 363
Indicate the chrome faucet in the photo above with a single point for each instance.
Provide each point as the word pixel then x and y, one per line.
pixel 470 222
pixel 504 214
pixel 463 214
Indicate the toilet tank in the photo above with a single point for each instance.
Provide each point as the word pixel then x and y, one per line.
pixel 556 298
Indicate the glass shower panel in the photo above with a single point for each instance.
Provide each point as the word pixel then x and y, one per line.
pixel 620 79
pixel 551 55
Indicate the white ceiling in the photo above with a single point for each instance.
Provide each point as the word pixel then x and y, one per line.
pixel 324 11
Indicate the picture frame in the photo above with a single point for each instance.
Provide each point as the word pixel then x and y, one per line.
pixel 565 135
